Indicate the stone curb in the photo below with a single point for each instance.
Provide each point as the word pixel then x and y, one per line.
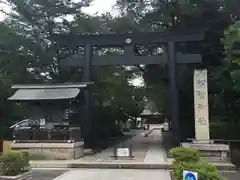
pixel 121 166
pixel 100 165
pixel 167 166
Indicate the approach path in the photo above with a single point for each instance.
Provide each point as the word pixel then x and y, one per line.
pixel 145 149
pixel 116 174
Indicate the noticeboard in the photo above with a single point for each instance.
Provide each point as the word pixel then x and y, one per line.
pixel 123 152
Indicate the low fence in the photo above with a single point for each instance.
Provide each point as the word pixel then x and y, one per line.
pixel 73 134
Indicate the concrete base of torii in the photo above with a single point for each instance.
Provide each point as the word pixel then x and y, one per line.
pixel 210 149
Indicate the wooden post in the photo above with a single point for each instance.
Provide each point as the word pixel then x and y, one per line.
pixel 87 78
pixel 173 93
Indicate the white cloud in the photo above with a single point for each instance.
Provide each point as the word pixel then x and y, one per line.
pixel 5 8
pixel 139 82
pixel 97 7
pixel 100 6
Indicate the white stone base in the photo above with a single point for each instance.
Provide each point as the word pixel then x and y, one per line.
pixel 54 151
pixel 210 150
pixel 203 141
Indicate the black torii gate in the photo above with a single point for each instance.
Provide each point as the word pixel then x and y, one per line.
pixel 130 40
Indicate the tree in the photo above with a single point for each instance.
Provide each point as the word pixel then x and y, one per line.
pixel 231 90
pixel 32 46
pixel 163 15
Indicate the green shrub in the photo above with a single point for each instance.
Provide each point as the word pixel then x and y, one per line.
pixel 25 158
pixel 13 163
pixel 185 155
pixel 205 171
pixel 188 159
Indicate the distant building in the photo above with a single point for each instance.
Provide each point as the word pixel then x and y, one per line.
pixel 150 116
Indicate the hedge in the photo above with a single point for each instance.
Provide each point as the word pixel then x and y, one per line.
pixel 14 163
pixel 189 160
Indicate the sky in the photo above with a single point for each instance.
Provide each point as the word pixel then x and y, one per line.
pixel 138 82
pixel 97 6
pixel 100 6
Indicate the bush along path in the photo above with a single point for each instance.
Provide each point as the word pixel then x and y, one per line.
pixel 189 159
pixel 14 166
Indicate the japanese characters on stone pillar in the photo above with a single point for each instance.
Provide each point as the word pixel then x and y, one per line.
pixel 201 106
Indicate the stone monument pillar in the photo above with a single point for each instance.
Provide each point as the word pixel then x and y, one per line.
pixel 202 141
pixel 201 111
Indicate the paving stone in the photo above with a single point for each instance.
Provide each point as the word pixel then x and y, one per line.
pixel 156 152
pixel 139 145
pixel 232 175
pixel 47 174
pixel 116 174
pixel 145 149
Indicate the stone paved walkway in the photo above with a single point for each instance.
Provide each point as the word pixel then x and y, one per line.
pixel 145 149
pixel 48 174
pixel 139 149
pixel 156 152
pixel 116 174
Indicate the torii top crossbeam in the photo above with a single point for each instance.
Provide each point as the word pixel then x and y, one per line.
pixel 136 38
pixel 129 40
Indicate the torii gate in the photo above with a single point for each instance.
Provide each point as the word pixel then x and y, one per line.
pixel 169 39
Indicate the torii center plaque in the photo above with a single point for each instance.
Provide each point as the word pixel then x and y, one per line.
pixel 201 106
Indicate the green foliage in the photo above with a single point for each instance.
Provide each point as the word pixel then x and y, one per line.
pixel 227 92
pixel 13 163
pixel 188 159
pixel 190 15
pixel 31 39
pixel 231 43
pixel 205 171
pixel 185 155
pixel 25 158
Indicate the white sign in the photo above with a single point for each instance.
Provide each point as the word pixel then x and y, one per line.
pixel 189 175
pixel 123 152
pixel 201 105
pixel 42 122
